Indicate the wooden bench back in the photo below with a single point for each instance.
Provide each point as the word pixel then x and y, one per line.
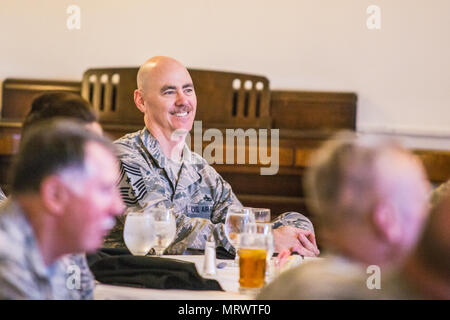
pixel 18 94
pixel 110 91
pixel 225 99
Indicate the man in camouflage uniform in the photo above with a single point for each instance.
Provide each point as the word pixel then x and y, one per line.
pixel 158 169
pixel 67 105
pixel 64 197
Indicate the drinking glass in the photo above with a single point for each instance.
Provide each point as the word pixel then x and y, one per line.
pixel 266 230
pixel 237 218
pixel 163 227
pixel 261 215
pixel 253 248
pixel 138 234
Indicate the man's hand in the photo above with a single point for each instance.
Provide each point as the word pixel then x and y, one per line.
pixel 296 240
pixel 282 258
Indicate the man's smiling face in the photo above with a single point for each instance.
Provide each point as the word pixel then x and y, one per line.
pixel 169 98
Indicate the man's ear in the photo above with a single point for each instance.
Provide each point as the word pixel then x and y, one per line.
pixel 386 222
pixel 54 195
pixel 139 100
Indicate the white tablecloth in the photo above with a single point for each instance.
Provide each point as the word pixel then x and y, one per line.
pixel 228 278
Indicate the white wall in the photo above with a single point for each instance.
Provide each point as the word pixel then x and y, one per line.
pixel 401 72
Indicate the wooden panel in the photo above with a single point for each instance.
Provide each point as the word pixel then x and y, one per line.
pixel 219 105
pixel 111 92
pixel 313 111
pixel 18 94
pixel 276 204
pixel 436 163
pixel 289 185
pixel 302 156
pixel 248 155
pixel 9 137
pixel 222 105
pixel 293 149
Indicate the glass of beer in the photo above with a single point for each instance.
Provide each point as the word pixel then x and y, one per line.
pixel 263 217
pixel 253 246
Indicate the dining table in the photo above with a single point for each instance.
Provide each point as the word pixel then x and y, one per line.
pixel 227 275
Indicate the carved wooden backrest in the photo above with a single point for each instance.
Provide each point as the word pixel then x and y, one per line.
pixel 110 91
pixel 232 100
pixel 18 94
pixel 225 99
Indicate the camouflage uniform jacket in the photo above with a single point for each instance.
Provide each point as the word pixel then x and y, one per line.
pixel 77 264
pixel 199 196
pixel 23 274
pixel 2 195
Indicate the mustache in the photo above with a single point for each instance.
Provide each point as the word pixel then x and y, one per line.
pixel 181 109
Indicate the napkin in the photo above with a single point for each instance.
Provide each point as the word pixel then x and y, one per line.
pixel 119 267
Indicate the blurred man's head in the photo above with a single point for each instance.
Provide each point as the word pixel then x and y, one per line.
pixel 65 176
pixel 370 195
pixel 61 105
pixel 166 96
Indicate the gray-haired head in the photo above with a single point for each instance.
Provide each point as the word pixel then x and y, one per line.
pixel 370 187
pixel 346 175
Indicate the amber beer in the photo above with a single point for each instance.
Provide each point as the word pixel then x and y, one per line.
pixel 252 267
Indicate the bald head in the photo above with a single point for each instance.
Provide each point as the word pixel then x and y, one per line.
pixel 350 174
pixel 367 191
pixel 166 96
pixel 155 67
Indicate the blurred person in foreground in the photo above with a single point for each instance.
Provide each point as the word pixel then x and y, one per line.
pixel 64 199
pixel 66 105
pixel 371 198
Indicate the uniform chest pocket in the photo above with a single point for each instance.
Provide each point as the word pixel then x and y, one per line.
pixel 202 208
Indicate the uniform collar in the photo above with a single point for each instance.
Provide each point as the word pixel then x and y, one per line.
pixel 189 173
pixel 153 147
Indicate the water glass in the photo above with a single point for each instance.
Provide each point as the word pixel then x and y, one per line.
pixel 138 234
pixel 164 228
pixel 237 218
